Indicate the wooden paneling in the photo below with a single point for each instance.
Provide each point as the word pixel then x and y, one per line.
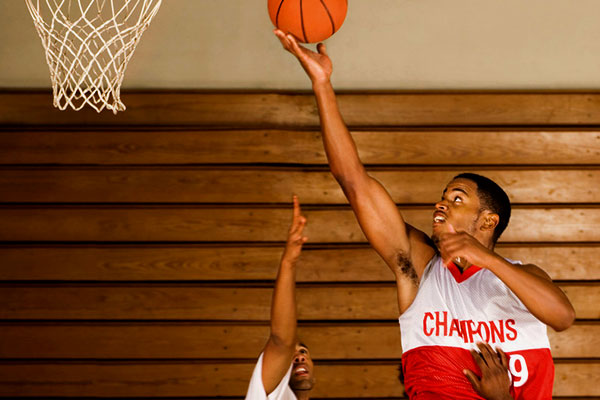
pixel 542 146
pixel 220 302
pixel 260 110
pixel 129 379
pixel 193 224
pixel 229 341
pixel 179 263
pixel 204 185
pixel 138 251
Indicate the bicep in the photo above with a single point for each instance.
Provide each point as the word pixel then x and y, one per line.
pixel 378 216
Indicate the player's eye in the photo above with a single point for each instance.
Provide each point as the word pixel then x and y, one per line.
pixel 458 199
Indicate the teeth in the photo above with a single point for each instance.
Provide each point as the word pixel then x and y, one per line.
pixel 439 218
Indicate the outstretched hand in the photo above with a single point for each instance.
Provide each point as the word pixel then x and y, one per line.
pixel 495 381
pixel 317 65
pixel 295 238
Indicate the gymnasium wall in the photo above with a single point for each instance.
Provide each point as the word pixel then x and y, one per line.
pixel 138 251
pixel 383 44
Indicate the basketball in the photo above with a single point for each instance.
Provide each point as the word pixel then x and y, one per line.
pixel 310 21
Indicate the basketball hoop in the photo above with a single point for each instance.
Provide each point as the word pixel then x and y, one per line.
pixel 88 45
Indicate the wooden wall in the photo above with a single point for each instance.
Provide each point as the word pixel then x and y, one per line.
pixel 138 251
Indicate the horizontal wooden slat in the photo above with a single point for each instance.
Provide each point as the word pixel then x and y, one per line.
pixel 197 302
pixel 299 110
pixel 223 379
pixel 452 147
pixel 261 185
pixel 259 224
pixel 165 263
pixel 228 341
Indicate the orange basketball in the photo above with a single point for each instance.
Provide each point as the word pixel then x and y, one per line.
pixel 310 21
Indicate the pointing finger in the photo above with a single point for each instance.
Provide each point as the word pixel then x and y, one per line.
pixel 296 207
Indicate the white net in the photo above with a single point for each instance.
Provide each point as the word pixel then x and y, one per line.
pixel 88 46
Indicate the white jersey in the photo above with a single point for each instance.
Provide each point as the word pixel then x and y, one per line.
pixel 256 389
pixel 450 314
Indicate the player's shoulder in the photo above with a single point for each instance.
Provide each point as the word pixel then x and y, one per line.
pixel 531 268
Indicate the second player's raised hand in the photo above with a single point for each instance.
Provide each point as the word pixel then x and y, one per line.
pixel 317 65
pixel 295 238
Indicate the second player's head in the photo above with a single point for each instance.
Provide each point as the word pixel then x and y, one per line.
pixel 302 378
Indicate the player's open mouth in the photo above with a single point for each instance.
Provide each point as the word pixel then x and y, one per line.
pixel 438 218
pixel 301 370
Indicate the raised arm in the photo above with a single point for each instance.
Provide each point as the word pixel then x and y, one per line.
pixel 405 249
pixel 280 348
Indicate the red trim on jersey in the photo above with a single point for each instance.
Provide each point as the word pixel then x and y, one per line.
pixel 431 371
pixel 462 276
pixel 435 372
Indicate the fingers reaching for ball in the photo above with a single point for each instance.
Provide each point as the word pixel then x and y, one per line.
pixel 284 39
pixel 318 66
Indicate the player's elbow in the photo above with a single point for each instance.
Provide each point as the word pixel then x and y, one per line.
pixel 352 181
pixel 565 319
pixel 349 174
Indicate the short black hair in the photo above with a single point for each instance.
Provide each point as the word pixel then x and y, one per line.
pixel 492 198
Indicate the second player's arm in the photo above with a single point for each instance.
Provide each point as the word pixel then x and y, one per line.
pixel 279 350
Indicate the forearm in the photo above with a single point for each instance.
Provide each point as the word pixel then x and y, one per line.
pixel 283 308
pixel 339 146
pixel 537 292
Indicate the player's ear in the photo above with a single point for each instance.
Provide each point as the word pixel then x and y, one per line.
pixel 490 221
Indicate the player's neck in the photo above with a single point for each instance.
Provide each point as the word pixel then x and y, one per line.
pixel 462 268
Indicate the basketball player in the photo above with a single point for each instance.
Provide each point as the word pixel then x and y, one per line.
pixel 453 289
pixel 284 370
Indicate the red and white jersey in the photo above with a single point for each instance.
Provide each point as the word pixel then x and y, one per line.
pixel 454 311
